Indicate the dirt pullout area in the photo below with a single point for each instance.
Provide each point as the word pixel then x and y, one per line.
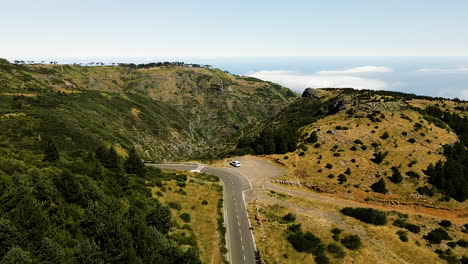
pixel 260 170
pixel 456 216
pixel 256 170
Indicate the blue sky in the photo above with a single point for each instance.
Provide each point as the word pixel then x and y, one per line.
pixel 104 28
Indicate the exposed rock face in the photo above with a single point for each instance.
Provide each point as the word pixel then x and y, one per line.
pixel 311 93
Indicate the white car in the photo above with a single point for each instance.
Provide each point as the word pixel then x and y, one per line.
pixel 235 163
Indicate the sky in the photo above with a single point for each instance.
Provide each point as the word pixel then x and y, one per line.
pixel 142 28
pixel 415 46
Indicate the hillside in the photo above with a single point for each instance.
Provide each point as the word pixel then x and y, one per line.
pixel 347 140
pixel 166 112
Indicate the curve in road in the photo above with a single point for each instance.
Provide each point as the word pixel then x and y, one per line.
pixel 240 240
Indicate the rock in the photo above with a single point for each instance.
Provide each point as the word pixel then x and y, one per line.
pixel 311 93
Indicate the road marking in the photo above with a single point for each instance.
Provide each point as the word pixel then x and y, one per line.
pixel 247 178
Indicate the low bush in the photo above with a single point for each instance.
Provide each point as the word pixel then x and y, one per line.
pixel 379 186
pixel 289 217
pixel 352 242
pixel 445 223
pixel 408 226
pixel 185 217
pixel 174 205
pixel 336 250
pixel 402 235
pixel 437 235
pixel 462 243
pixel 366 215
pixel 306 242
pixel 342 179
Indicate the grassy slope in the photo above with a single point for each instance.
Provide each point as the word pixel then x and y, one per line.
pixel 307 164
pixel 166 112
pixel 203 216
pixel 380 243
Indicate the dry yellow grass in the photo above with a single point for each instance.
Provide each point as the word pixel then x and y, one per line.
pixel 380 243
pixel 336 149
pixel 203 217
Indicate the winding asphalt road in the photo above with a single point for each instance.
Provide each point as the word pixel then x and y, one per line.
pixel 240 241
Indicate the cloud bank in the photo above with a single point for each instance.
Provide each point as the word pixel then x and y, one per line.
pixel 439 70
pixel 360 70
pixel 321 79
pixel 464 95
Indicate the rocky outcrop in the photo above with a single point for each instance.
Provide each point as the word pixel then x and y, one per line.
pixel 311 93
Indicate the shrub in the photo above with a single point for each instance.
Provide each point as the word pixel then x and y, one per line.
pixel 329 166
pixel 445 223
pixel 185 217
pixel 342 179
pixel 321 259
pixel 306 242
pixel 353 148
pixel 403 235
pixel 336 251
pixel 462 243
pixel 294 228
pixel 331 175
pixel 358 141
pixel 363 147
pixel 174 205
pixel 204 202
pixel 348 171
pixel 312 137
pixel 396 175
pixel 408 226
pixel 404 133
pixel 317 145
pixel 352 242
pixel 385 135
pixel 379 157
pixel 289 217
pixel 425 190
pixel 336 154
pixel 452 244
pixel 366 215
pixel 413 174
pixel 411 140
pixel 379 186
pixel 437 235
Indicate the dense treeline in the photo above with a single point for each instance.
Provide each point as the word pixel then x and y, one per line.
pixel 451 177
pixel 457 123
pixel 83 207
pixel 280 135
pixel 271 140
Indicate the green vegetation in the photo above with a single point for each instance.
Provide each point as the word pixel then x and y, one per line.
pixel 79 208
pixel 437 235
pixel 408 226
pixel 366 215
pixel 379 186
pixel 352 242
pixel 451 177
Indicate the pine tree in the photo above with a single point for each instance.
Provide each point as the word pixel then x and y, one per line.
pixel 133 164
pixel 379 187
pixel 396 176
pixel 313 137
pixel 50 151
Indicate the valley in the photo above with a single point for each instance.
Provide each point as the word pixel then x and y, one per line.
pixel 332 176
